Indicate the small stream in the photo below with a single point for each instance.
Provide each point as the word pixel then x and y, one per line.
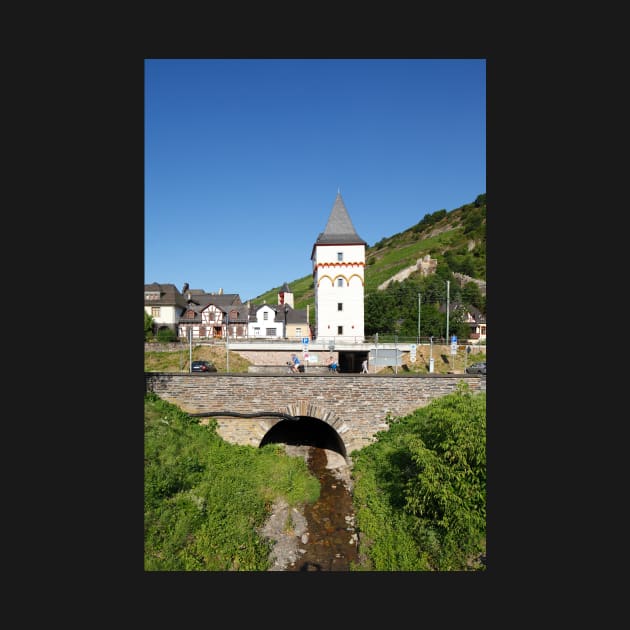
pixel 331 544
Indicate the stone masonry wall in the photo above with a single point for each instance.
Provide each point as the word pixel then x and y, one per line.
pixel 355 405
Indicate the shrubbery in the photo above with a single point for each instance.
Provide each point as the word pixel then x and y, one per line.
pixel 420 489
pixel 165 335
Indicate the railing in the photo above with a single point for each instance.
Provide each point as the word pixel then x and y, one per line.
pixel 379 338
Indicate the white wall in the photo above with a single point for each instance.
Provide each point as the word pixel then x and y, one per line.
pixel 264 324
pixel 328 294
pixel 168 314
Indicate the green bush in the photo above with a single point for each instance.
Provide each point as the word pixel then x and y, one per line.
pixel 165 335
pixel 420 489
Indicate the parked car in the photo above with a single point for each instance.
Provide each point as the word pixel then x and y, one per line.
pixel 476 368
pixel 203 366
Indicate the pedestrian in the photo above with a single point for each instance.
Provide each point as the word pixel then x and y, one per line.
pixel 364 367
pixel 296 362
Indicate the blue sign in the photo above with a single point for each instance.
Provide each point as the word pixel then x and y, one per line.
pixel 305 340
pixel 454 339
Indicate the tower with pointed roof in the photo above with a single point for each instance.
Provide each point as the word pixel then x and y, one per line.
pixel 338 258
pixel 285 295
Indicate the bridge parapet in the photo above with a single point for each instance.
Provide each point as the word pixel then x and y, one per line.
pixel 355 406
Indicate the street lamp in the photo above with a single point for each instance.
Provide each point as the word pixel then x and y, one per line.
pixel 190 345
pixel 419 300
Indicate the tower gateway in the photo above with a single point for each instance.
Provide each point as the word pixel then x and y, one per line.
pixel 338 274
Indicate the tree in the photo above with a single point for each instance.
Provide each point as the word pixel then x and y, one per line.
pixel 433 322
pixel 433 290
pixel 471 295
pixel 456 325
pixel 148 326
pixel 376 312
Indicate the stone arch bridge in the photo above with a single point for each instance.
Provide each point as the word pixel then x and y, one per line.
pixel 355 406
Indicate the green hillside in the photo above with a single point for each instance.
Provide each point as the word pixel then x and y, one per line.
pixel 456 239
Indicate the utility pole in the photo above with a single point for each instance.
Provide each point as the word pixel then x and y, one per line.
pixel 419 300
pixel 227 341
pixel 448 288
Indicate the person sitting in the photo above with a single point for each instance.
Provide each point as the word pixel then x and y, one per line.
pixel 332 364
pixel 296 363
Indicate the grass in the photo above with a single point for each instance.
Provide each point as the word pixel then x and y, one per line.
pixel 443 362
pixel 205 499
pixel 388 262
pixel 178 361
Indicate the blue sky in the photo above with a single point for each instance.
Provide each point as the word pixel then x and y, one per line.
pixel 244 158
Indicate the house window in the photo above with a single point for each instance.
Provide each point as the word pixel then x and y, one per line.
pixel 256 331
pixel 266 315
pixel 339 256
pixel 340 282
pixel 271 332
pixel 339 306
pixel 298 332
pixel 155 311
pixel 340 330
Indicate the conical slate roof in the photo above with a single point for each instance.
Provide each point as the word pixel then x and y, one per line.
pixel 339 228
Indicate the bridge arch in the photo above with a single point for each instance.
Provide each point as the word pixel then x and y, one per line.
pixel 309 414
pixel 306 431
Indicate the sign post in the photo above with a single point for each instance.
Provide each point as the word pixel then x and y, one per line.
pixel 454 349
pixel 305 352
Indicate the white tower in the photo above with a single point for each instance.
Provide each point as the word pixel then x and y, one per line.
pixel 338 274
